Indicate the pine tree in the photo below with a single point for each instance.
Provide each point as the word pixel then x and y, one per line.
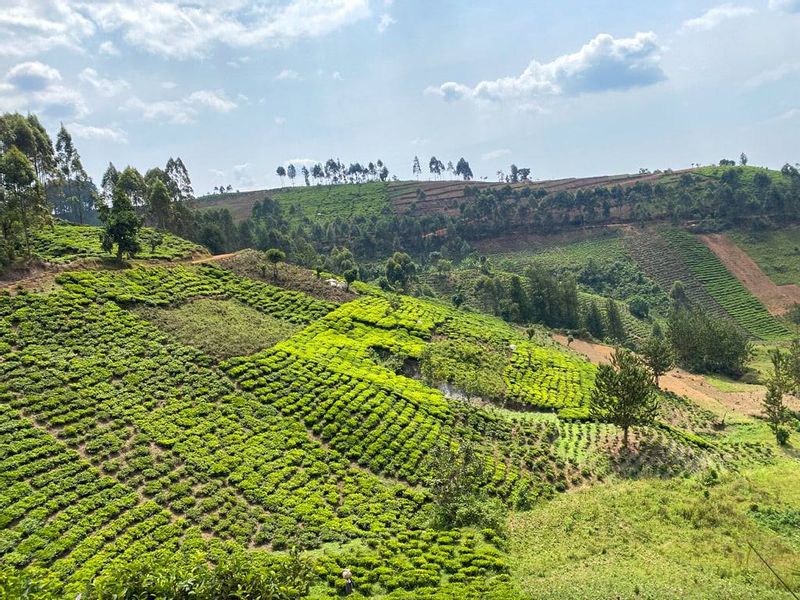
pixel 624 393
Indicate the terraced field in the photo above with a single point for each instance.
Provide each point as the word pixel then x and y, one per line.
pixel 726 290
pixel 119 441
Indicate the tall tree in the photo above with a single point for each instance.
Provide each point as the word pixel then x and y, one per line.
pixel 158 203
pixel 624 393
pixel 416 170
pixel 291 172
pixel 72 178
pixel 616 328
pixel 304 171
pixel 24 201
pixel 281 173
pixel 779 382
pixel 109 182
pixel 275 257
pixel 463 169
pixel 121 225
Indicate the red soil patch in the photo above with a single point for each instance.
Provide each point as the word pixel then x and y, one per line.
pixel 683 383
pixel 777 298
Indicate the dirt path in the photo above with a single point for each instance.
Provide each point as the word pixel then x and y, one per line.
pixel 683 383
pixel 777 298
pixel 214 258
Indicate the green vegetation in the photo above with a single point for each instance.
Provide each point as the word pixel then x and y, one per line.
pixel 327 202
pixel 601 265
pixel 220 328
pixel 64 243
pixel 776 252
pixel 728 291
pixel 660 539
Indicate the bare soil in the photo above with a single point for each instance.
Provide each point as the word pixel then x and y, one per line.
pixel 692 386
pixel 777 298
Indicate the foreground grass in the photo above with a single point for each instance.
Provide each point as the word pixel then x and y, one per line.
pixel 221 328
pixel 663 539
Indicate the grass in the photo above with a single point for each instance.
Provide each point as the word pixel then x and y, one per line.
pixel 776 252
pixel 724 384
pixel 660 539
pixel 221 328
pixel 746 174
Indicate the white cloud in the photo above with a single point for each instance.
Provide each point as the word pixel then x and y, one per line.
pixel 771 75
pixel 785 6
pixel 186 29
pixel 301 162
pixel 495 154
pixel 104 87
pixel 288 74
pixel 169 85
pixel 217 172
pixel 385 21
pixel 184 110
pixel 418 141
pixel 32 76
pixel 215 100
pixel 336 75
pixel 177 29
pixel 789 114
pixel 604 64
pixel 280 121
pixel 29 27
pixel 242 174
pixel 34 86
pixel 90 132
pixel 108 48
pixel 713 17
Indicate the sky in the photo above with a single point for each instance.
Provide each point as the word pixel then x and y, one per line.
pixel 569 88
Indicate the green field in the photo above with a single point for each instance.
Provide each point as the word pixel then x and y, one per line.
pixel 220 328
pixel 663 539
pixel 64 243
pixel 776 252
pixel 323 203
pixel 120 440
pixel 740 304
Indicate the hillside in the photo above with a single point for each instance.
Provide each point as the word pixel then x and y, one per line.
pixel 134 427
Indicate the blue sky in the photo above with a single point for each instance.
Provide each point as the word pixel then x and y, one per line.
pixel 568 88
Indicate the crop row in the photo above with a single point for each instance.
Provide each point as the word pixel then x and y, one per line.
pixel 728 291
pixel 64 243
pixel 159 422
pixel 58 512
pixel 160 286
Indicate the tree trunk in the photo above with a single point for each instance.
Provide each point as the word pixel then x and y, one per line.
pixel 624 436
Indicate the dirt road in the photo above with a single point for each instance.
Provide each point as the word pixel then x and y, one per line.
pixel 777 298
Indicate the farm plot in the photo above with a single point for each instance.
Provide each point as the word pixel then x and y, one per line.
pixel 726 290
pixel 324 203
pixel 64 243
pixel 665 265
pixel 157 423
pixel 163 286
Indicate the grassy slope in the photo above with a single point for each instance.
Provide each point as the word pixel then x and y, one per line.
pixel 660 539
pixel 221 328
pixel 321 202
pixel 776 252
